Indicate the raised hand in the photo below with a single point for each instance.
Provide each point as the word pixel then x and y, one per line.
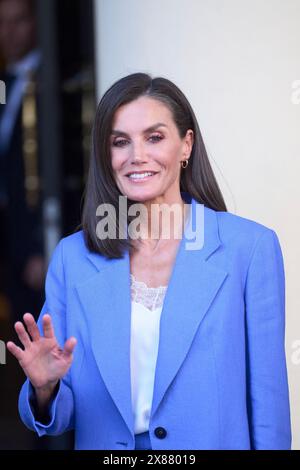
pixel 42 359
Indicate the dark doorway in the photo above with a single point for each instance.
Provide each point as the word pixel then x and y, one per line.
pixel 62 166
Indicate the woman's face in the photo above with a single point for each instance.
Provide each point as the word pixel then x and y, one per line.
pixel 145 139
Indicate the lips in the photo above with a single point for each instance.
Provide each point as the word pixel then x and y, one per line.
pixel 140 177
pixel 140 172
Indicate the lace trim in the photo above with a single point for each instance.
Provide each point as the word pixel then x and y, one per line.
pixel 150 297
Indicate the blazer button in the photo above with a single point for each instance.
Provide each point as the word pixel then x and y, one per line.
pixel 160 433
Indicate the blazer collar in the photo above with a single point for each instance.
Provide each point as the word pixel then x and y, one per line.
pixel 193 285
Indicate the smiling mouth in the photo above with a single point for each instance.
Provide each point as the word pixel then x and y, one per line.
pixel 137 177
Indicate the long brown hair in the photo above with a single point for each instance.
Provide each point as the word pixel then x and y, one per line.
pixel 197 179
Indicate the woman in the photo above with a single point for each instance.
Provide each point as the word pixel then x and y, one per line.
pixel 178 345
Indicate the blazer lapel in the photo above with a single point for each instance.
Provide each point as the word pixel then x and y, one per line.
pixel 192 288
pixel 106 302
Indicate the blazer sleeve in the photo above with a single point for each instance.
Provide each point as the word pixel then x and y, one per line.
pixel 267 383
pixel 61 409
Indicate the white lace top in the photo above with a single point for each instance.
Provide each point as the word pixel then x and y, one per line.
pixel 150 297
pixel 146 308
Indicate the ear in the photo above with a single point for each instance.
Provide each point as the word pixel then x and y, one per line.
pixel 188 143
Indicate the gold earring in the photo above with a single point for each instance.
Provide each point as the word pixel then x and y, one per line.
pixel 184 163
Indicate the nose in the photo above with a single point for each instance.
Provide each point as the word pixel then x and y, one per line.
pixel 138 154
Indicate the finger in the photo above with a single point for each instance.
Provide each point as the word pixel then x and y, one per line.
pixel 22 334
pixel 31 326
pixel 47 327
pixel 69 346
pixel 15 350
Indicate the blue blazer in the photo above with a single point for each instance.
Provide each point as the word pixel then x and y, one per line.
pixel 221 379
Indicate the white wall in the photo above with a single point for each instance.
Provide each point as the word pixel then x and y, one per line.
pixel 236 61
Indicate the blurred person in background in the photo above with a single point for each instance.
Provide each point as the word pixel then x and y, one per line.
pixel 21 157
pixel 21 247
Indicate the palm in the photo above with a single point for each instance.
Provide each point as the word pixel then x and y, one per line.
pixel 45 361
pixel 42 359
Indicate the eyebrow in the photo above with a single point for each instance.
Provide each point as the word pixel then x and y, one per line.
pixel 149 129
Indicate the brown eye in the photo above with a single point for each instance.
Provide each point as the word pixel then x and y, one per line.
pixel 155 138
pixel 119 143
